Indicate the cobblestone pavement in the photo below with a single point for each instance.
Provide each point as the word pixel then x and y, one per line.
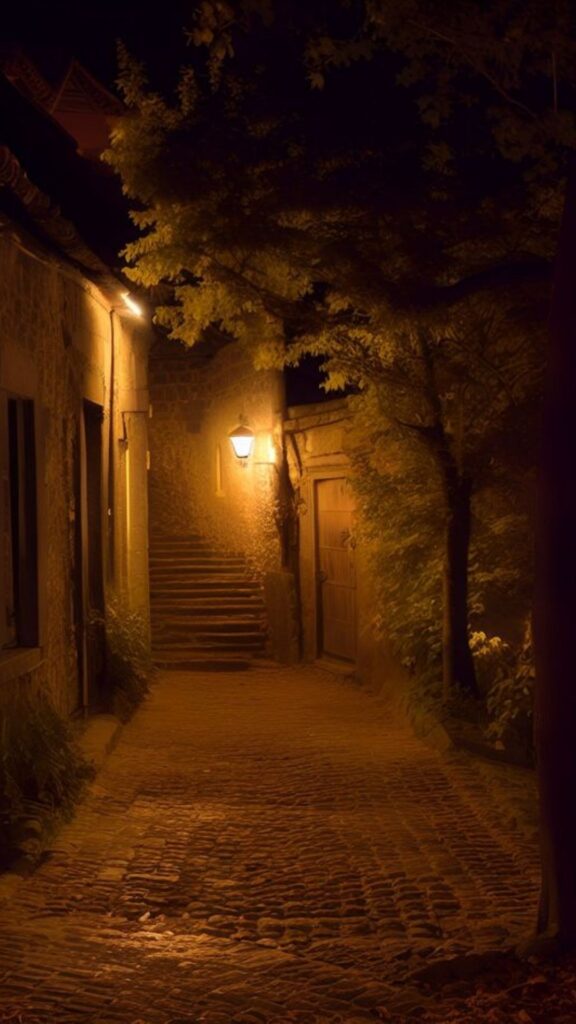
pixel 267 847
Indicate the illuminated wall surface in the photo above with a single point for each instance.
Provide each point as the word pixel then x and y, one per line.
pixel 196 483
pixel 82 366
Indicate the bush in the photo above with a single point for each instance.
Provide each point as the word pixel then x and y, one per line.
pixel 402 514
pixel 506 675
pixel 42 772
pixel 401 530
pixel 128 663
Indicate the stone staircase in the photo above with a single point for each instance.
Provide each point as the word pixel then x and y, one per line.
pixel 207 611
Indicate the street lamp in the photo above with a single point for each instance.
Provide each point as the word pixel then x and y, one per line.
pixel 242 441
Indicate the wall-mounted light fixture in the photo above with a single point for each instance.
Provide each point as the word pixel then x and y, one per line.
pixel 131 304
pixel 242 441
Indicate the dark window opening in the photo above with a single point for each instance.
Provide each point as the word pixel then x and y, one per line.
pixel 93 417
pixel 19 529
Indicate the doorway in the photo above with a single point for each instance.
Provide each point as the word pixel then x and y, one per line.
pixel 336 568
pixel 90 541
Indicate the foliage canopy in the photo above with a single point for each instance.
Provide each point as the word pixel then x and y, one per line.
pixel 378 184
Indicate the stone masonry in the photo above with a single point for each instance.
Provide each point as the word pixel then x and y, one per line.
pixel 196 484
pixel 263 848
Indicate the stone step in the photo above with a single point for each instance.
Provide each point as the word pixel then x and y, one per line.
pixel 214 641
pixel 191 582
pixel 208 612
pixel 191 597
pixel 177 538
pixel 195 558
pixel 224 627
pixel 201 662
pixel 194 595
pixel 156 544
pixel 204 564
pixel 199 584
pixel 238 623
pixel 198 587
pixel 161 554
pixel 217 609
pixel 193 579
pixel 192 548
pixel 233 572
pixel 230 612
pixel 249 601
pixel 159 541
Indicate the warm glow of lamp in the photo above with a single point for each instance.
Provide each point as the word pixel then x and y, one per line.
pixel 271 451
pixel 242 441
pixel 131 304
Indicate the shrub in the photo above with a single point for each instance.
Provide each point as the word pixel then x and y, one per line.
pixel 401 530
pixel 128 663
pixel 42 772
pixel 507 676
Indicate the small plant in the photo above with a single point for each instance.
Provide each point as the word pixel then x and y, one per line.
pixel 508 678
pixel 128 662
pixel 42 772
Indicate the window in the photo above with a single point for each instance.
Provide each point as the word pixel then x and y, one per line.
pixel 19 555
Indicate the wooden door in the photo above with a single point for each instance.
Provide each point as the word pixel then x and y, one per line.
pixel 336 568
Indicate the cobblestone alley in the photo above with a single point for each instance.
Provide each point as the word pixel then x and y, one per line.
pixel 267 846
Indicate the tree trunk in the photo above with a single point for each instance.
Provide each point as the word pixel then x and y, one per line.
pixel 458 673
pixel 555 602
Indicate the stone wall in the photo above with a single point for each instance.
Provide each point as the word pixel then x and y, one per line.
pixel 196 483
pixel 61 343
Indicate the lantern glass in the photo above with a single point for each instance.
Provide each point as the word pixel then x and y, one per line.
pixel 242 441
pixel 131 304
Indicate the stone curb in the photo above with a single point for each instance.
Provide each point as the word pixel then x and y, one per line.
pixel 99 737
pixel 445 735
pixel 430 729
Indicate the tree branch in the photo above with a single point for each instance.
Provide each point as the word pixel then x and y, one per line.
pixel 537 271
pixel 456 44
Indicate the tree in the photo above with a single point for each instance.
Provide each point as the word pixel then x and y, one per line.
pixel 438 402
pixel 555 604
pixel 308 222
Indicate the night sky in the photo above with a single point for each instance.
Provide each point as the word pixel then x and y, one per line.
pixel 54 32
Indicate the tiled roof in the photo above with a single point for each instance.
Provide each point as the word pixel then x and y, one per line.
pixel 79 92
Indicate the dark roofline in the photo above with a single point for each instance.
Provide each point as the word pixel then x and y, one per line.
pixel 87 193
pixel 43 217
pixel 46 213
pixel 23 73
pixel 103 100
